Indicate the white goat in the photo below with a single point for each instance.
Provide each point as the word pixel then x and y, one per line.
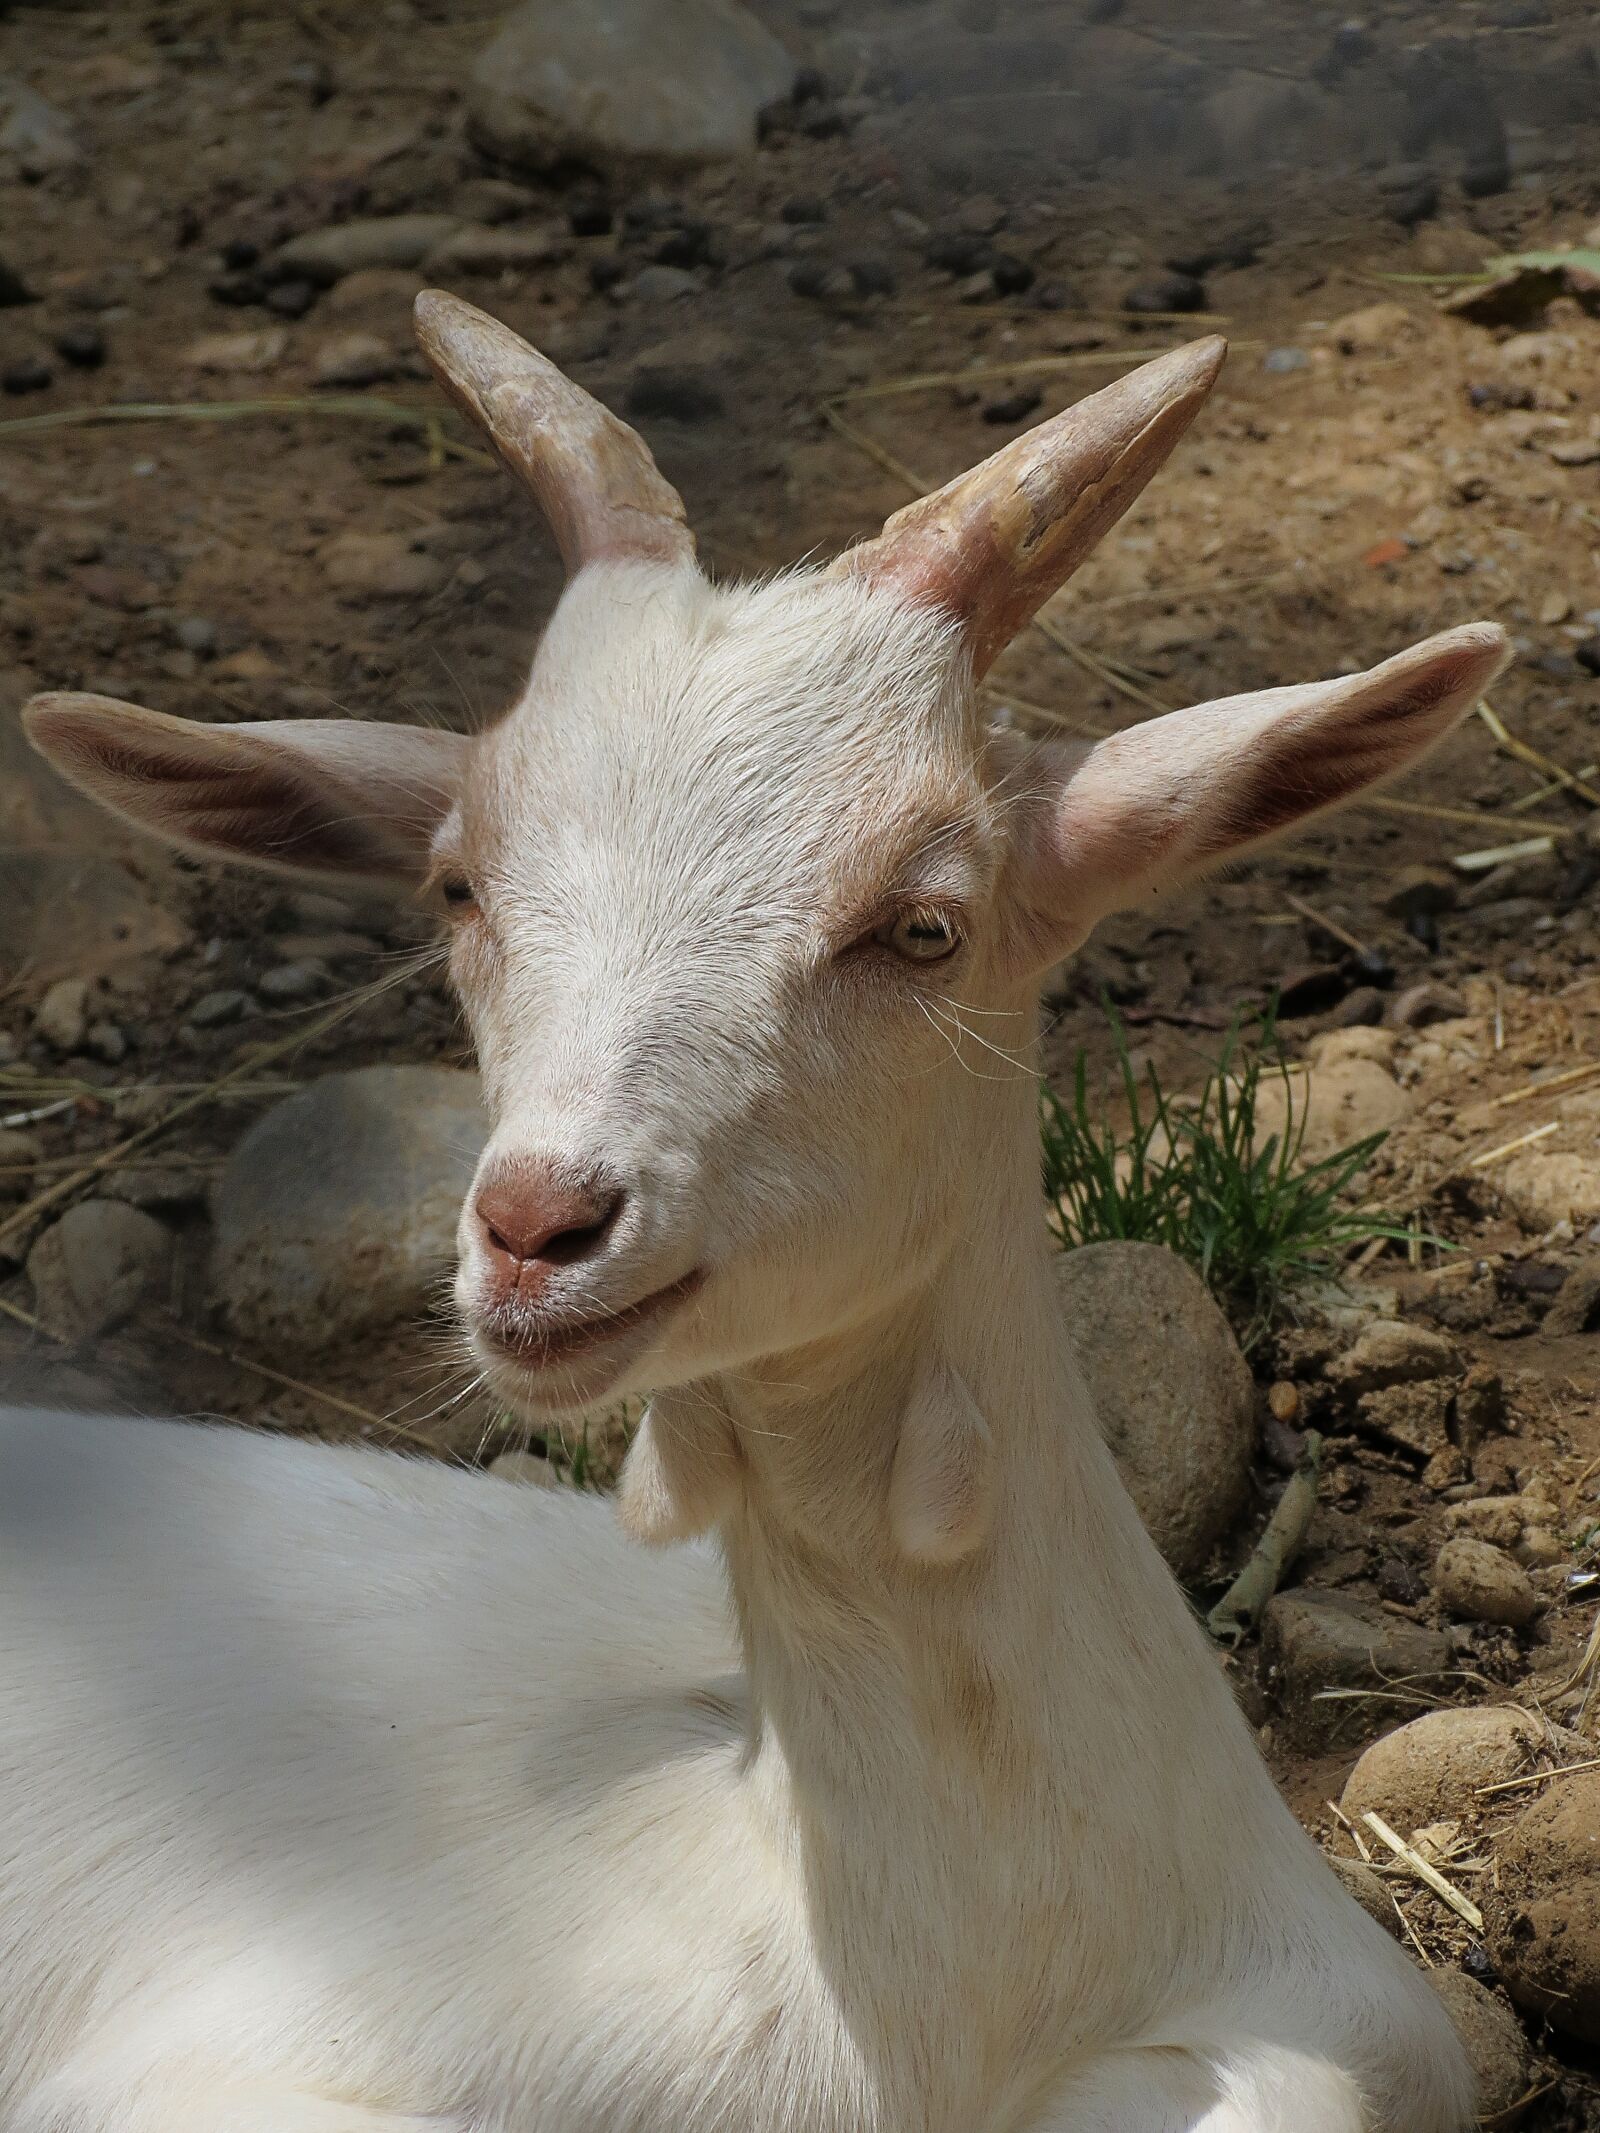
pixel 344 1794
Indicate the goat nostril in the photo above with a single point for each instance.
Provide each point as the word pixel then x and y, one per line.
pixel 582 1238
pixel 552 1228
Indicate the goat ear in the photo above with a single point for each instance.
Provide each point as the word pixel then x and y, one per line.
pixel 941 1488
pixel 991 547
pixel 335 798
pixel 1162 802
pixel 682 1469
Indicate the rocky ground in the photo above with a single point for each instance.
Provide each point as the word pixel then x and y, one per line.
pixel 213 1090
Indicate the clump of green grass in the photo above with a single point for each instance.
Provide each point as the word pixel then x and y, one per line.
pixel 1197 1176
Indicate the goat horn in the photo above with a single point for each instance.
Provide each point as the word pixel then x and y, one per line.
pixel 593 477
pixel 993 545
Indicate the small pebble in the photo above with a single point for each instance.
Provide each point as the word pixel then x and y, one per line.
pixel 526 1468
pixel 353 359
pixel 291 299
pixel 84 347
pixel 1166 292
pixel 212 1009
pixel 292 981
pixel 658 284
pixel 1398 1581
pixel 28 375
pixel 666 392
pixel 1011 276
pixel 871 277
pixel 106 1042
pixel 1284 1401
pixel 690 246
pixel 237 289
pixel 957 252
pixel 1237 248
pixel 592 217
pixel 62 1016
pixel 1411 196
pixel 820 283
pixel 1282 360
pixel 1477 1582
pixel 1013 407
pixel 13 289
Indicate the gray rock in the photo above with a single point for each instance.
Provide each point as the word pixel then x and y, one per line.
pixel 1173 1393
pixel 660 392
pixel 19 1151
pixel 106 1041
pixel 353 359
pixel 1430 1769
pixel 378 296
pixel 525 1468
pixel 95 1266
pixel 245 355
pixel 1363 1884
pixel 663 285
pixel 1542 1907
pixel 1421 891
pixel 212 1009
pixel 1494 2040
pixel 1163 293
pixel 293 981
pixel 1543 1190
pixel 498 251
pixel 62 1016
pixel 1314 1641
pixel 1389 1352
pixel 336 1213
pixel 34 134
pixel 1414 1418
pixel 679 79
pixel 1480 1406
pixel 1329 1109
pixel 1577 1305
pixel 327 255
pixel 1477 1582
pixel 156 1187
pixel 1420 1006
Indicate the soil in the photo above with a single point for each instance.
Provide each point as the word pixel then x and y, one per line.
pixel 1372 468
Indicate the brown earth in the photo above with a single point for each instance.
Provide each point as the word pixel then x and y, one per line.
pixel 1370 469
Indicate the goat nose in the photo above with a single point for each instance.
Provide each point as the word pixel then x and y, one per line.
pixel 534 1220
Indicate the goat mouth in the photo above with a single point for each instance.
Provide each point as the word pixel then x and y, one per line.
pixel 544 1344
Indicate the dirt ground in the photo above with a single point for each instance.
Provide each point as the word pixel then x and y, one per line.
pixel 867 305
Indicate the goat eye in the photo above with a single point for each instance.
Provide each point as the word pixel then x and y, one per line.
pixel 919 936
pixel 458 893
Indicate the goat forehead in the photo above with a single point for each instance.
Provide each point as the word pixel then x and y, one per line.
pixel 800 727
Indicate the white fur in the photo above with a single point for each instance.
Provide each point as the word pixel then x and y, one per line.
pixel 343 1794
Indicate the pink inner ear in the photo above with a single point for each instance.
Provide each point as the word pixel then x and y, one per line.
pixel 1167 799
pixel 325 797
